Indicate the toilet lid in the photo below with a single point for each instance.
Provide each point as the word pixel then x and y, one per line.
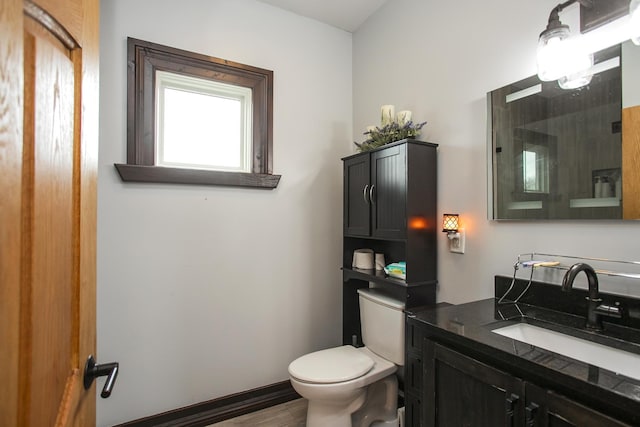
pixel 333 365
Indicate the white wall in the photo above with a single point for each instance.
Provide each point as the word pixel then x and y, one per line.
pixel 207 291
pixel 439 59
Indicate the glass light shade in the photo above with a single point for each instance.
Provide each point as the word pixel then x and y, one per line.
pixel 550 51
pixel 561 56
pixel 634 14
pixel 577 80
pixel 450 222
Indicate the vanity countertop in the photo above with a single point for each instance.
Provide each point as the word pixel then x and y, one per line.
pixel 468 329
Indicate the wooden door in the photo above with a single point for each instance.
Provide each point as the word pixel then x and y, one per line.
pixel 630 159
pixel 48 158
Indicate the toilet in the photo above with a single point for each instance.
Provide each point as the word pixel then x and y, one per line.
pixel 348 386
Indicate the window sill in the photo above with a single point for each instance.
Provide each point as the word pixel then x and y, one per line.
pixel 161 174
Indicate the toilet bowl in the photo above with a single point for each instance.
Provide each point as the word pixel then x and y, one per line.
pixel 334 400
pixel 347 386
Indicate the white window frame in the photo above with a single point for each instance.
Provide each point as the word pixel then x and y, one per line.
pixel 167 80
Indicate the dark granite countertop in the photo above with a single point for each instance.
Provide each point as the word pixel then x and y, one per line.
pixel 468 329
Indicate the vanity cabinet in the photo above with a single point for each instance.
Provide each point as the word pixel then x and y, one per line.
pixel 461 391
pixel 390 207
pixel 545 408
pixel 455 389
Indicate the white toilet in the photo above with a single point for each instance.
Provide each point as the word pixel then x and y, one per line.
pixel 348 386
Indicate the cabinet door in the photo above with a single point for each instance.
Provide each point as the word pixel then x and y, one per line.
pixel 461 391
pixel 544 408
pixel 356 195
pixel 389 193
pixel 412 410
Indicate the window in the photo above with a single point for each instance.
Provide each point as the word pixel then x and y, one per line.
pixel 202 124
pixel 534 159
pixel 195 119
pixel 535 169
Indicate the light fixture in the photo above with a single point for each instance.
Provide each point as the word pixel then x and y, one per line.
pixel 578 79
pixel 569 58
pixel 559 53
pixel 450 223
pixel 455 234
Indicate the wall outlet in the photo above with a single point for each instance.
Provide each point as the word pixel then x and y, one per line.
pixel 457 241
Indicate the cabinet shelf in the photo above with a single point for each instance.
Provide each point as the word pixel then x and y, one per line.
pixel 599 202
pixel 378 276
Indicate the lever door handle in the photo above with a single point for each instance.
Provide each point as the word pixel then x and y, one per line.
pixel 93 371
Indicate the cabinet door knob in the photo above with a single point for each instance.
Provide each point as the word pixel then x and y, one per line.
pixel 372 194
pixel 365 193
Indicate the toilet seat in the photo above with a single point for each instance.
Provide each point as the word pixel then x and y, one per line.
pixel 333 365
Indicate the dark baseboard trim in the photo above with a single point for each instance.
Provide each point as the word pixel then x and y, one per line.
pixel 223 408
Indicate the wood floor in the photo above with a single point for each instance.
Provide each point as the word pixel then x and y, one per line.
pixel 289 414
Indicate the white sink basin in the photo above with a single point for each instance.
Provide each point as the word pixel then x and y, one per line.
pixel 609 358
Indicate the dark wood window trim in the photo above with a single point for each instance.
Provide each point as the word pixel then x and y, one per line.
pixel 143 60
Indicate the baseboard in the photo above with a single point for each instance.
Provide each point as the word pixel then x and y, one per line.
pixel 223 408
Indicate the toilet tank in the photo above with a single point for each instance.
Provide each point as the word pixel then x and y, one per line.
pixel 382 323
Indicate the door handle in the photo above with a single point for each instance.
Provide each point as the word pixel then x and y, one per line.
pixel 365 192
pixel 372 194
pixel 93 371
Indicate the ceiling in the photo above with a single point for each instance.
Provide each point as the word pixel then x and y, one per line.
pixel 345 14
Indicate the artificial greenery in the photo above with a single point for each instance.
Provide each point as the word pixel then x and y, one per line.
pixel 390 133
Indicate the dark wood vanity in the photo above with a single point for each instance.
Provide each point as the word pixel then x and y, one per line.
pixel 461 373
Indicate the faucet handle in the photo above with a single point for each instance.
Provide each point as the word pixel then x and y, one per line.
pixel 614 310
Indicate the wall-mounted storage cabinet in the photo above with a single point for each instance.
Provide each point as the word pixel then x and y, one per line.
pixel 390 207
pixel 380 178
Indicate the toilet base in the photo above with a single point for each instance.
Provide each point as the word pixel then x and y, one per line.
pixel 380 408
pixel 334 414
pixel 375 406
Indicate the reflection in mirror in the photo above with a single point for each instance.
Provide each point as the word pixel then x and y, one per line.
pixel 566 154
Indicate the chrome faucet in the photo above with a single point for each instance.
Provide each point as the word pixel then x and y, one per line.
pixel 595 310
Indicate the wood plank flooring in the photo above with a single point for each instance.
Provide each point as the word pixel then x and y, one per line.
pixel 289 414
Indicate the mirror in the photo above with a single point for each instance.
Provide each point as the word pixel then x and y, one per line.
pixel 568 154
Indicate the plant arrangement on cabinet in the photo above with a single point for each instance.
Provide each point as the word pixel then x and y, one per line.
pixel 392 128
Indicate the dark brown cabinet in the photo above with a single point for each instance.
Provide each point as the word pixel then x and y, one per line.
pixel 544 408
pixel 455 389
pixel 461 391
pixel 390 207
pixel 375 193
